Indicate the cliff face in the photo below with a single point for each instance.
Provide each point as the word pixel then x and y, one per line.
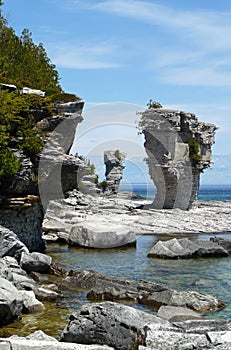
pixel 179 149
pixel 49 174
pixel 24 217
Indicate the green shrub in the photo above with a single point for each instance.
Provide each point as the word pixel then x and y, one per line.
pixel 194 151
pixel 154 104
pixel 63 97
pixel 9 164
pixel 118 154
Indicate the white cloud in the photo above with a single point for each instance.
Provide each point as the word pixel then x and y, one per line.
pixel 193 47
pixel 196 76
pixel 94 55
pixel 200 26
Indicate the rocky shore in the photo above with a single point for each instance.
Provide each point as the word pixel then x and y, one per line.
pixel 83 210
pixel 106 322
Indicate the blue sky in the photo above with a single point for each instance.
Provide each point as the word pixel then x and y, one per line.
pixel 176 52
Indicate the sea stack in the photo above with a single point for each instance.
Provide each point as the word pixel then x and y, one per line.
pixel 114 162
pixel 179 148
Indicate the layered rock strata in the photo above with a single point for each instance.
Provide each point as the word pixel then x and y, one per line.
pixel 23 216
pixel 114 161
pixel 179 149
pixel 60 172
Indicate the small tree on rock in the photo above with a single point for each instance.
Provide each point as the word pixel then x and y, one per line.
pixel 154 104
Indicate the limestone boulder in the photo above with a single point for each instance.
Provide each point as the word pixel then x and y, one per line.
pixel 30 303
pixel 156 295
pixel 223 242
pixel 100 286
pixel 11 270
pixel 11 302
pixel 45 294
pixel 10 245
pixel 113 291
pixel 97 235
pixel 177 314
pixel 194 334
pixel 108 323
pixel 185 248
pixel 36 262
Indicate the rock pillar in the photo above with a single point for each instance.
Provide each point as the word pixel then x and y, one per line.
pixel 114 161
pixel 179 149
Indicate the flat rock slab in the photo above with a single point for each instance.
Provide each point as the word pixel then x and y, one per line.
pixel 177 313
pixel 185 248
pixel 96 235
pixel 41 341
pixel 196 334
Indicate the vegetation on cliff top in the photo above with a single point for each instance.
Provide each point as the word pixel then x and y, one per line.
pixel 24 64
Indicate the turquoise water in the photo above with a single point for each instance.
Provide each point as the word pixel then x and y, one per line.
pixel 132 264
pixel 211 276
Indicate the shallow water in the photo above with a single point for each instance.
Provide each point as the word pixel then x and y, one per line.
pixel 130 264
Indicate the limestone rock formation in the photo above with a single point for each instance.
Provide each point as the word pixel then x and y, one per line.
pixel 60 172
pixel 11 302
pixel 10 245
pixel 186 248
pixel 179 149
pixel 156 295
pixel 36 262
pixel 196 334
pixel 177 313
pixel 125 328
pixel 41 341
pixel 23 216
pixel 109 324
pixel 114 161
pixel 97 235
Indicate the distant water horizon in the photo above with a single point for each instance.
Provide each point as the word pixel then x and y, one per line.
pixel 220 192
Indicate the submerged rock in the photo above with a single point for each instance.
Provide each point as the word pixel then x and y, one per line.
pixel 223 242
pixel 96 235
pixel 185 248
pixel 155 295
pixel 113 291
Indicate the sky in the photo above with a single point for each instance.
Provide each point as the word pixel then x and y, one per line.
pixel 117 54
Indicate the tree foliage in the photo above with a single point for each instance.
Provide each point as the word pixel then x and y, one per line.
pixel 22 63
pixel 154 104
